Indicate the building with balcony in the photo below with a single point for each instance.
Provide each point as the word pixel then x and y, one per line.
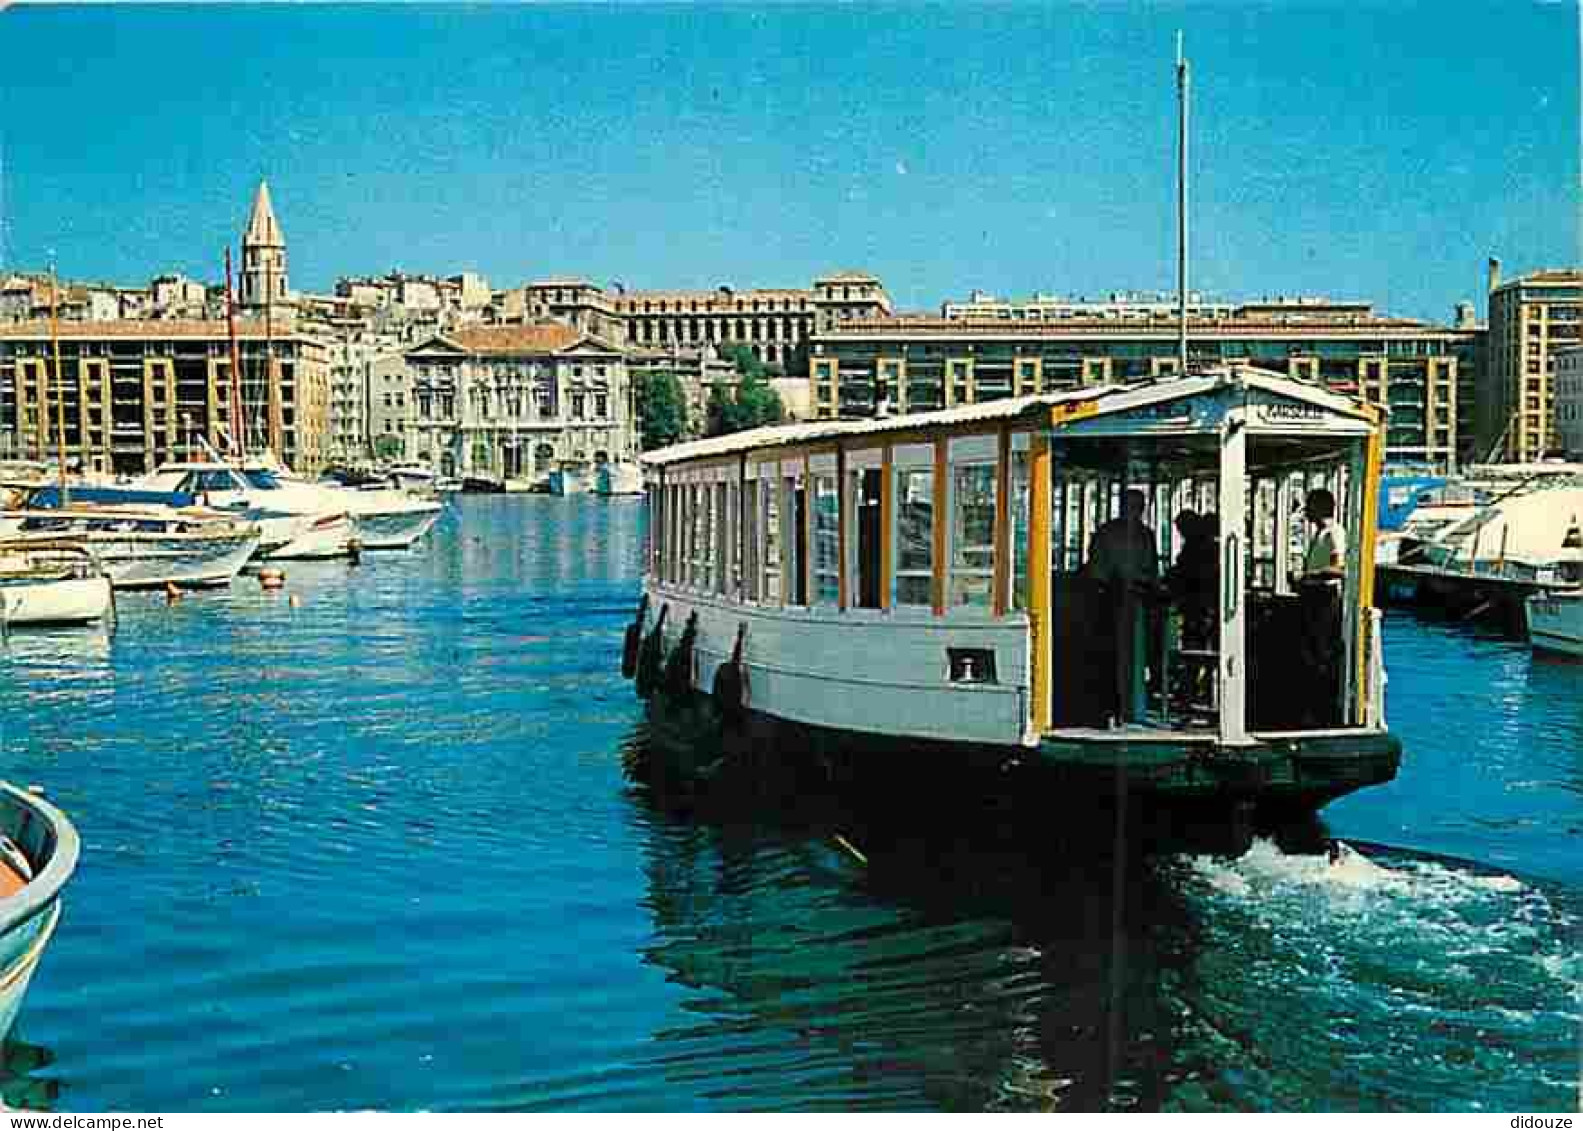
pixel 1531 318
pixel 915 364
pixel 1568 377
pixel 134 394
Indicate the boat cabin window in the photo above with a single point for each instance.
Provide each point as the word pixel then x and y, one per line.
pixel 795 520
pixel 915 512
pixel 260 478
pixel 700 535
pixel 774 538
pixel 972 534
pixel 199 482
pixel 752 525
pixel 862 503
pixel 827 540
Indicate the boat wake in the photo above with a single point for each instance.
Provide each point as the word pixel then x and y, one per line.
pixel 1385 978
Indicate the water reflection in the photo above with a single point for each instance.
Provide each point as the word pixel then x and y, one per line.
pixel 883 955
pixel 887 946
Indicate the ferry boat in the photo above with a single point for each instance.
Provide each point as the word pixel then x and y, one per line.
pixel 931 586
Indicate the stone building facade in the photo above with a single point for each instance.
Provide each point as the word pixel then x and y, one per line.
pixel 517 402
pixel 1568 378
pixel 1530 319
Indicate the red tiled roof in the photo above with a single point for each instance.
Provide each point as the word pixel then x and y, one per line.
pixel 540 337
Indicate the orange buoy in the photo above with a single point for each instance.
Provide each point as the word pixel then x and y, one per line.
pixel 172 593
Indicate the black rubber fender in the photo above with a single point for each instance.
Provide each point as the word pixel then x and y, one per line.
pixel 651 657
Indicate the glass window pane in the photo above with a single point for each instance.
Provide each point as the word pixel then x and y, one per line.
pixel 826 541
pixel 750 540
pixel 1019 512
pixel 972 534
pixel 769 500
pixel 915 537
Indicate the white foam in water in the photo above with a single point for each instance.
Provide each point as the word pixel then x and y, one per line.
pixel 1460 915
pixel 1265 865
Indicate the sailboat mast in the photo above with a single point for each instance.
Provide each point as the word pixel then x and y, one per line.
pixel 238 425
pixel 1181 206
pixel 60 393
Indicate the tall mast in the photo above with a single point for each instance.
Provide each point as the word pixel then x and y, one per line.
pixel 1181 207
pixel 238 425
pixel 60 393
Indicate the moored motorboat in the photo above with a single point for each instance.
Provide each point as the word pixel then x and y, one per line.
pixel 568 481
pixel 1555 621
pixel 385 517
pixel 619 478
pixel 51 583
pixel 141 540
pixel 294 524
pixel 38 853
pixel 1486 555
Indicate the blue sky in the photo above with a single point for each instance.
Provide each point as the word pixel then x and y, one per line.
pixel 1372 150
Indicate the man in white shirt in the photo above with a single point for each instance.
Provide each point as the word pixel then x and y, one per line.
pixel 1324 570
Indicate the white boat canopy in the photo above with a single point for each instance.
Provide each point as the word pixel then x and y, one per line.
pixel 1166 404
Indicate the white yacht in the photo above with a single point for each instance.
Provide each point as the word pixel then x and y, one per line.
pixel 386 518
pixel 294 524
pixel 142 540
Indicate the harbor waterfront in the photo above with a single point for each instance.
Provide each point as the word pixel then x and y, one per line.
pixel 403 844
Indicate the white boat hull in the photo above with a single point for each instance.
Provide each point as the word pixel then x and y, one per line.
pixel 1555 622
pixel 396 529
pixel 28 917
pixel 63 601
pixel 317 539
pixel 620 479
pixel 147 560
pixel 862 670
pixel 568 483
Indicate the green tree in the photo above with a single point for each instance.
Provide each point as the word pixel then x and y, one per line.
pixel 747 363
pixel 662 410
pixel 753 404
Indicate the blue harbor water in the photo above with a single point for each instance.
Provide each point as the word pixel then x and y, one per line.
pixel 394 846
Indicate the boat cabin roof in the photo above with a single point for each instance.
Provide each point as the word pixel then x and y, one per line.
pixel 1138 408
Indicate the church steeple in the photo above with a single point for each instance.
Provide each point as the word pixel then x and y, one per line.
pixel 263 254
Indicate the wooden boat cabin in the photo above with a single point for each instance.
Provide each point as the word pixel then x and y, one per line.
pixel 1111 578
